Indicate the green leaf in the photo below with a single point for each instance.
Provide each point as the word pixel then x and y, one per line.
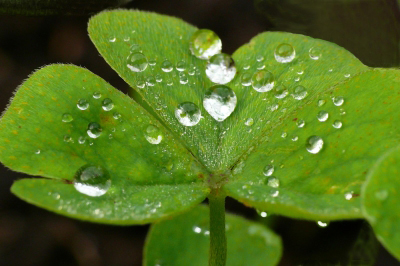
pixel 43 132
pixel 326 185
pixel 380 200
pixel 184 240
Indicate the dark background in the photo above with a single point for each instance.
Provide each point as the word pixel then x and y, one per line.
pixel 32 236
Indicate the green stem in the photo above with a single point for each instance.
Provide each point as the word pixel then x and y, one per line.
pixel 216 200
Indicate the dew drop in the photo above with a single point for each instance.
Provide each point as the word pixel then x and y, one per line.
pixel 167 66
pixel 158 78
pixel 81 140
pixel 321 103
pixel 67 117
pixel 220 101
pixel 299 92
pixel 82 104
pixel 150 81
pixel 322 224
pixel 137 62
pixel 315 53
pixel 188 114
pixel 92 180
pixel 152 62
pixel 284 53
pixel 263 81
pixel 94 130
pixel 295 138
pixel 183 79
pixel 273 182
pixel 348 195
pixel 249 122
pixel 347 75
pixel 322 116
pixel 246 79
pixel 262 213
pixel 140 84
pixel 181 66
pixel 284 135
pixel 135 48
pixel 314 144
pixel 337 124
pixel 204 44
pixel 301 123
pixel 221 69
pixel 281 91
pixel 97 95
pixel 37 152
pixel 67 138
pixel 153 135
pixel 197 229
pixel 268 170
pixel 107 104
pixel 338 101
pixel 113 39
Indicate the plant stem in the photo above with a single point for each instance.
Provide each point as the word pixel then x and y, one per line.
pixel 216 200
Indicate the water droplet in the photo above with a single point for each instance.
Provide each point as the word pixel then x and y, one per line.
pixel 137 62
pixel 167 66
pixel 322 116
pixel 337 124
pixel 299 92
pixel 322 224
pixel 342 111
pixel 381 195
pixel 113 39
pixel 314 144
pixel 135 48
pixel 67 138
pixel 249 122
pixel 150 81
pixel 301 123
pixel 140 84
pixel 246 67
pixel 37 152
pixel 260 66
pixel 221 69
pixel 188 114
pixel 348 195
pixel 153 135
pixel 263 81
pixel 347 75
pixel 94 130
pixel 272 181
pixel 321 103
pixel 274 107
pixel 246 79
pixel 281 92
pixel 295 138
pixel 268 170
pixel 81 140
pixel 152 62
pixel 197 229
pixel 262 213
pixel 275 194
pixel 92 180
pixel 220 101
pixel 183 79
pixel 158 78
pixel 107 104
pixel 338 101
pixel 284 53
pixel 315 53
pixel 82 104
pixel 67 117
pixel 284 135
pixel 181 66
pixel 204 44
pixel 97 95
pixel 126 39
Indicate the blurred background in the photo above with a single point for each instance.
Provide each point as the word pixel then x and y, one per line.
pixel 370 29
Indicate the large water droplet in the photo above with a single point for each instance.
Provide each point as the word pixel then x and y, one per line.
pixel 338 101
pixel 92 180
pixel 281 91
pixel 301 123
pixel 205 43
pixel 181 66
pixel 246 79
pixel 82 104
pixel 315 53
pixel 284 53
pixel 97 95
pixel 273 181
pixel 263 81
pixel 67 117
pixel 337 124
pixel 314 144
pixel 221 69
pixel 167 66
pixel 188 114
pixel 94 130
pixel 220 101
pixel 322 116
pixel 137 62
pixel 107 104
pixel 299 93
pixel 269 170
pixel 153 135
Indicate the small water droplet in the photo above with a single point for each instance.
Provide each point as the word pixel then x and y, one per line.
pixel 137 62
pixel 183 79
pixel 126 39
pixel 275 194
pixel 315 53
pixel 158 78
pixel 284 53
pixel 94 130
pixel 107 104
pixel 295 138
pixel 140 83
pixel 262 213
pixel 204 44
pixel 249 122
pixel 135 48
pixel 338 101
pixel 347 75
pixel 67 138
pixel 321 103
pixel 113 39
pixel 92 180
pixel 381 195
pixel 322 224
pixel 299 92
pixel 167 66
pixel 152 62
pixel 246 79
pixel 348 195
pixel 37 152
pixel 281 91
pixel 220 101
pixel 188 114
pixel 221 69
pixel 301 123
pixel 268 170
pixel 263 81
pixel 97 95
pixel 82 104
pixel 150 81
pixel 273 181
pixel 181 66
pixel 322 116
pixel 342 111
pixel 246 67
pixel 197 229
pixel 153 135
pixel 337 124
pixel 81 140
pixel 314 144
pixel 116 115
pixel 67 117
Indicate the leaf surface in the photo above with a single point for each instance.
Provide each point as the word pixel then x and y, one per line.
pixel 184 240
pixel 43 132
pixel 380 200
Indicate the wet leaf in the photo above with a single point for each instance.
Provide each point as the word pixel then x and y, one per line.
pixel 184 240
